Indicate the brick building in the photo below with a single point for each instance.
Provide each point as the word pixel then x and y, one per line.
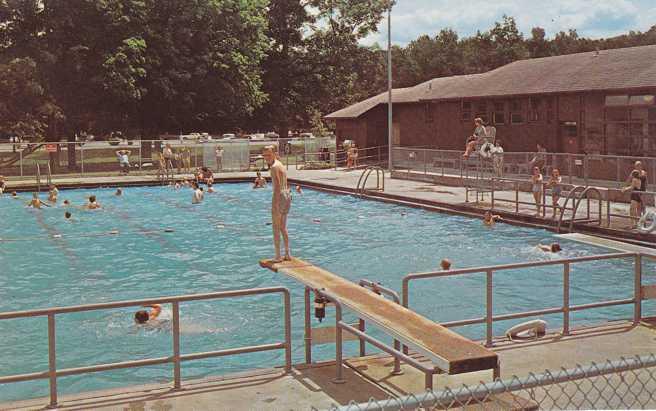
pixel 600 102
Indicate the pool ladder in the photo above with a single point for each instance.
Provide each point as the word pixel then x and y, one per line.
pixel 362 182
pixel 578 194
pixel 38 177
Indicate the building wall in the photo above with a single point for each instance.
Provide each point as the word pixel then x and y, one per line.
pixel 566 123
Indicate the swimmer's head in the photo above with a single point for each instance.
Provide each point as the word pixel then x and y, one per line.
pixel 52 186
pixel 118 192
pixel 555 247
pixel 92 199
pixel 13 194
pixel 445 264
pixel 141 317
pixel 194 185
pixel 555 172
pixel 635 174
pixel 258 173
pixel 488 214
pixel 66 202
pixel 67 215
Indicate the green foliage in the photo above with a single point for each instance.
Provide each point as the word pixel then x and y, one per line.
pixel 25 109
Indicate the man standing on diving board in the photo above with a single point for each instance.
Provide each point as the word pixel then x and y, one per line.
pixel 280 202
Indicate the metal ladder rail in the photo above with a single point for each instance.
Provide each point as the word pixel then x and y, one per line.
pixel 573 192
pixel 49 177
pixel 38 178
pixel 362 181
pixel 583 195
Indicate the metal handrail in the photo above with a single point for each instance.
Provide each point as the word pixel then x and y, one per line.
pixel 176 358
pixel 360 188
pixel 566 308
pixel 583 195
pixel 38 178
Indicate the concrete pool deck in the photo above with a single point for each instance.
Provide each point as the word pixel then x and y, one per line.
pixel 367 377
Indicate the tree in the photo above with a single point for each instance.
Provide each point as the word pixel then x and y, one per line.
pixel 538 45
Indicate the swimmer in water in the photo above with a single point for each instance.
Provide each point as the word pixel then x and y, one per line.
pixel 198 194
pixel 299 190
pixel 53 193
pixel 144 316
pixel 14 195
pixel 490 219
pixel 210 188
pixel 552 248
pixel 93 204
pixel 67 215
pixel 35 203
pixel 177 185
pixel 260 182
pixel 445 264
pixel 119 192
pixel 67 203
pixel 3 185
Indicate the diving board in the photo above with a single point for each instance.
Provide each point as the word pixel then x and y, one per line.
pixel 606 243
pixel 448 351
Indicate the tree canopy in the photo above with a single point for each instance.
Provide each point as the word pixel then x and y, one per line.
pixel 147 67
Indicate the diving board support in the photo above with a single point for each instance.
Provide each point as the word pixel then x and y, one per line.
pixel 445 350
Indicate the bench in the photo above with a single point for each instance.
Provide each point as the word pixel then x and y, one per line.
pixel 448 352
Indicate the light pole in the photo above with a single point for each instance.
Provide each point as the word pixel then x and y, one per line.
pixel 390 131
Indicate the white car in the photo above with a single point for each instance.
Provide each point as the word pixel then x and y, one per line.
pixel 257 136
pixel 303 136
pixel 228 136
pixel 205 138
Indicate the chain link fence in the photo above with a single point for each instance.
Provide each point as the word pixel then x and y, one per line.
pixel 628 383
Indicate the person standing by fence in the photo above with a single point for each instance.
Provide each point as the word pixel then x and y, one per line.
pixel 218 153
pixel 536 188
pixel 497 158
pixel 642 176
pixel 540 158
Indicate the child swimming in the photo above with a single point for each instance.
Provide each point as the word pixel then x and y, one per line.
pixel 552 248
pixel 35 202
pixel 490 219
pixel 93 204
pixel 143 316
pixel 445 264
pixel 53 193
pixel 198 194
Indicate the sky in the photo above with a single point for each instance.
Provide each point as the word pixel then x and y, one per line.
pixel 591 18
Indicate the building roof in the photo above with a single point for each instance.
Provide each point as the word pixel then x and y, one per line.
pixel 626 68
pixel 399 95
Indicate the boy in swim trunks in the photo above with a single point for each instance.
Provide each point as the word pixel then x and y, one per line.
pixel 556 189
pixel 490 219
pixel 92 204
pixel 35 203
pixel 280 202
pixel 53 193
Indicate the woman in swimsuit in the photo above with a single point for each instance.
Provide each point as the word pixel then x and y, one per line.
pixel 556 189
pixel 536 181
pixel 636 200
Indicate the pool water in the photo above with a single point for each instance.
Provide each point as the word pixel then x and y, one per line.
pixel 47 261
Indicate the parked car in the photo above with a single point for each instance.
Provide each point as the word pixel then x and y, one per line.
pixel 228 136
pixel 272 135
pixel 204 138
pixel 306 135
pixel 257 136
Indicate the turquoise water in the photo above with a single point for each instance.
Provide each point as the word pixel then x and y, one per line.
pixel 216 246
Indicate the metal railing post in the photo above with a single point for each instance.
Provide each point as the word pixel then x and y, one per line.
pixel 637 312
pixel 569 166
pixel 425 162
pixel 339 361
pixel 288 331
pixel 52 360
pixel 608 210
pixel 82 159
pixel 20 160
pixel 140 158
pixel 516 197
pixel 307 337
pixel 566 298
pixel 488 316
pixel 176 345
pixel 362 327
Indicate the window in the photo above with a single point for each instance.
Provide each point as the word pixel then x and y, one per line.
pixel 535 106
pixel 499 113
pixel 549 104
pixel 617 100
pixel 481 111
pixel 516 114
pixel 466 111
pixel 428 112
pixel 645 100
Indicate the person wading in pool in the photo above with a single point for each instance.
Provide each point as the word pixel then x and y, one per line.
pixel 280 201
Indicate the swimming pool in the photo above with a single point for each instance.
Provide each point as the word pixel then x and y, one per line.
pixel 216 246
